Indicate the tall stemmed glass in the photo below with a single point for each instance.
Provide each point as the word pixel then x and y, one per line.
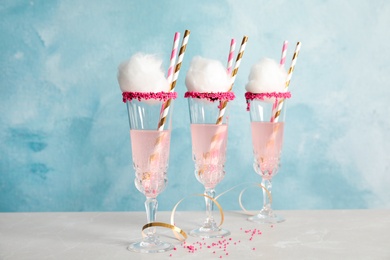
pixel 150 152
pixel 209 141
pixel 267 139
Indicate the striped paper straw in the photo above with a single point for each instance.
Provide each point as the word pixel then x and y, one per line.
pixel 231 55
pixel 284 53
pixel 167 104
pixel 222 108
pixel 238 60
pixel 288 79
pixel 172 63
pixel 293 63
pixel 154 157
pixel 218 137
pixel 282 62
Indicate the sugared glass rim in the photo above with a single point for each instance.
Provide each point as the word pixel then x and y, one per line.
pixel 211 96
pixel 162 96
pixel 262 96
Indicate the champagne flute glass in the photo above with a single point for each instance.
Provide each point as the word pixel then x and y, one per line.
pixel 209 141
pixel 267 139
pixel 150 153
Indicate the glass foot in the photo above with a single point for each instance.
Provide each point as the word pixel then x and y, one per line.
pixel 209 232
pixel 150 245
pixel 266 217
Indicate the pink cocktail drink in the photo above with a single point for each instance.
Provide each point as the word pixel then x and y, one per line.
pixel 267 140
pixel 209 143
pixel 150 134
pixel 209 149
pixel 150 150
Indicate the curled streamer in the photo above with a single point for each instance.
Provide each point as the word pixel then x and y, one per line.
pixel 183 235
pixel 243 191
pixel 174 228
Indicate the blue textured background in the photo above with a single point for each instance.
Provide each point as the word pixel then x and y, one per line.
pixel 64 141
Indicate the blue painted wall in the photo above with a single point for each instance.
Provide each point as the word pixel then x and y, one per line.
pixel 64 142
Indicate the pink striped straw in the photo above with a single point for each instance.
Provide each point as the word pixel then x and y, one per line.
pixel 288 80
pixel 231 56
pixel 165 106
pixel 282 62
pixel 172 63
pixel 219 136
pixel 284 53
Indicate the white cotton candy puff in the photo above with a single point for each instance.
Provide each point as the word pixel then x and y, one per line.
pixel 142 73
pixel 206 76
pixel 266 76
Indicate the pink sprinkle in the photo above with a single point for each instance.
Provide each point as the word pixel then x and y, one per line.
pixel 230 238
pixel 170 255
pixel 227 253
pixel 213 252
pixel 220 256
pixel 254 248
pixel 174 248
pixel 208 246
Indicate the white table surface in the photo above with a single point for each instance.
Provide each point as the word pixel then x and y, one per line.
pixel 320 234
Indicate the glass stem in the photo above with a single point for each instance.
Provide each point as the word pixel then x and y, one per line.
pixel 151 210
pixel 266 195
pixel 209 205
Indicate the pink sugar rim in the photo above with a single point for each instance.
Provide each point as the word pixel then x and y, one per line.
pixel 211 96
pixel 261 96
pixel 251 96
pixel 162 96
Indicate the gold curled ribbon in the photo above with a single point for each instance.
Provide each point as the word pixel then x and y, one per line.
pixel 243 191
pixel 214 200
pixel 175 229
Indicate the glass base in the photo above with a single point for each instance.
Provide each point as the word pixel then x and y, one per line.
pixel 209 232
pixel 266 217
pixel 150 245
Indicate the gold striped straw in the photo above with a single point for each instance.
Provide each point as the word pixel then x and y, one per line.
pixel 240 54
pixel 288 79
pixel 154 157
pixel 167 104
pixel 280 102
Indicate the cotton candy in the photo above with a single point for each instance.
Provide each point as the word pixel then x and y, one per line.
pixel 266 76
pixel 142 73
pixel 206 76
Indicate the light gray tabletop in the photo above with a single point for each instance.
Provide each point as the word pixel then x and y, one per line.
pixel 320 234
